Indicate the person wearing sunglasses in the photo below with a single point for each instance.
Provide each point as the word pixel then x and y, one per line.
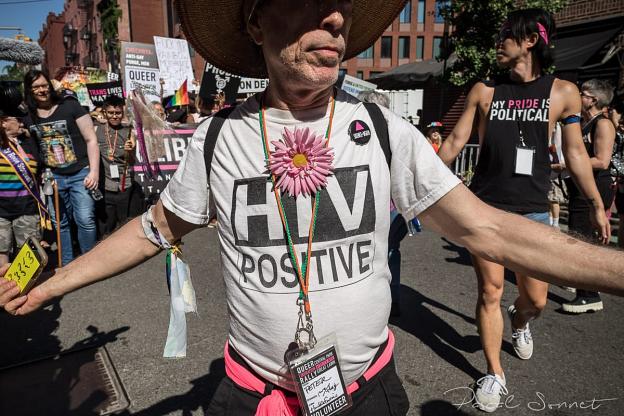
pixel 598 136
pixel 516 116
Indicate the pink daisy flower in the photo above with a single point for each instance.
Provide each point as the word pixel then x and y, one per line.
pixel 301 162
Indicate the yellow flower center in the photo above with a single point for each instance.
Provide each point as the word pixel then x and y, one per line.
pixel 300 161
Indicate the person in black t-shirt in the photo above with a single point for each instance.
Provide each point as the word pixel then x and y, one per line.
pixel 67 144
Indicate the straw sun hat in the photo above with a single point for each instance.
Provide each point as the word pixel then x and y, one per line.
pixel 217 30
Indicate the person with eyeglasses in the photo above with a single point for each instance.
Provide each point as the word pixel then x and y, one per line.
pixel 22 210
pixel 517 113
pixel 68 146
pixel 117 144
pixel 598 137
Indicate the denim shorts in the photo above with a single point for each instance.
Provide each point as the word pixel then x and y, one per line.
pixel 538 217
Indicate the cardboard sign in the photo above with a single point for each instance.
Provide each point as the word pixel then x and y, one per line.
pixel 355 86
pixel 174 63
pixel 76 79
pixel 140 69
pixel 216 80
pixel 175 142
pixel 98 92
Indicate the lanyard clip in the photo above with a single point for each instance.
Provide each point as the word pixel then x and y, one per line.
pixel 304 336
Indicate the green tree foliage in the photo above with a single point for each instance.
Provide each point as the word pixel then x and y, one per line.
pixel 110 13
pixel 14 72
pixel 476 24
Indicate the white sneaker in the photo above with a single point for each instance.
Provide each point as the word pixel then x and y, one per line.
pixel 521 339
pixel 489 391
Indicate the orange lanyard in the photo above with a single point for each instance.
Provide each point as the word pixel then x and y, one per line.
pixel 111 148
pixel 304 269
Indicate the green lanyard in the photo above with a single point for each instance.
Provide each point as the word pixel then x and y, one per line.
pixel 303 272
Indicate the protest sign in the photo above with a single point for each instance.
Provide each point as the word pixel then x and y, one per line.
pixel 174 63
pixel 354 85
pixel 140 68
pixel 76 78
pixel 216 80
pixel 98 91
pixel 175 143
pixel 252 85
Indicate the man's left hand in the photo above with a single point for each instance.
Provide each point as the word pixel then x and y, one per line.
pixel 91 181
pixel 601 224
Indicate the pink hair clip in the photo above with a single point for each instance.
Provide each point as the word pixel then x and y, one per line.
pixel 543 33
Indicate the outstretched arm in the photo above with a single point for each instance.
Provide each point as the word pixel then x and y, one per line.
pixel 460 135
pixel 123 250
pixel 525 246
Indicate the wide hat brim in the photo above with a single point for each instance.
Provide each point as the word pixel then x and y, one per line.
pixel 216 30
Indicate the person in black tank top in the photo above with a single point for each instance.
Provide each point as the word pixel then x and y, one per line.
pixel 516 113
pixel 599 136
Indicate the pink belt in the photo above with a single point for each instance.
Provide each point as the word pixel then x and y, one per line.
pixel 277 403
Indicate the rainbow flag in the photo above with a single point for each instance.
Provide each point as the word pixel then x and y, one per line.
pixel 180 98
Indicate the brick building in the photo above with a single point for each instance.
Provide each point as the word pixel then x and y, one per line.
pixel 81 39
pixel 51 41
pixel 416 34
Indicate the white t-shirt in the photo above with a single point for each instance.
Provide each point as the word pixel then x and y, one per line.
pixel 349 276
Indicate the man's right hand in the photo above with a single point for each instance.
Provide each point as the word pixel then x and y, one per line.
pixel 19 305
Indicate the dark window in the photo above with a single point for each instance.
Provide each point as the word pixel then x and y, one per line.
pixel 437 46
pixel 406 13
pixel 421 11
pixel 420 48
pixel 386 46
pixel 404 47
pixel 373 73
pixel 360 74
pixel 367 54
pixel 440 5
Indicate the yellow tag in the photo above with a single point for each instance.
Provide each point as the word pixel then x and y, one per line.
pixel 23 267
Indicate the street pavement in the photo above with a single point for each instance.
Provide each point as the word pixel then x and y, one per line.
pixel 577 367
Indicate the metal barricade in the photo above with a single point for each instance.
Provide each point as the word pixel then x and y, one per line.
pixel 466 161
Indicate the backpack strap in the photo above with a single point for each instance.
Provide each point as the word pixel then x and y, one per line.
pixel 212 135
pixel 381 128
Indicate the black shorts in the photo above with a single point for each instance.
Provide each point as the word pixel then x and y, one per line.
pixel 619 202
pixel 382 395
pixel 579 209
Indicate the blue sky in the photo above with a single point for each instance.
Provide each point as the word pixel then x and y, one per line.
pixel 28 16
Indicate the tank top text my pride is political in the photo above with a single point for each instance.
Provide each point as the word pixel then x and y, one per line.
pixel 515 107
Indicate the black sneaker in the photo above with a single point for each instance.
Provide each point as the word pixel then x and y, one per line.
pixel 582 304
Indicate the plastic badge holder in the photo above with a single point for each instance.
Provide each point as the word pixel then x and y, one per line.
pixel 318 379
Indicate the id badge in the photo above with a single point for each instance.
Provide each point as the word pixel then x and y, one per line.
pixel 319 384
pixel 114 170
pixel 524 160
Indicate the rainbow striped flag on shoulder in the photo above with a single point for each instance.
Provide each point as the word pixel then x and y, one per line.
pixel 180 97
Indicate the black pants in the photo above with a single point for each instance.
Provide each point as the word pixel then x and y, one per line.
pixel 383 395
pixel 579 213
pixel 117 208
